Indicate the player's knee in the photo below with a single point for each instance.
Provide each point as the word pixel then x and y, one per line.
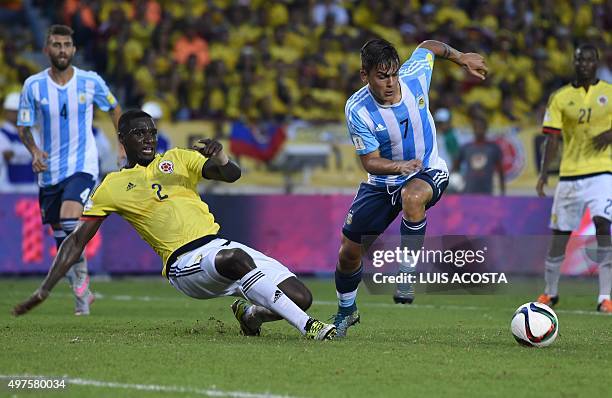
pixel 349 257
pixel 602 226
pixel 234 263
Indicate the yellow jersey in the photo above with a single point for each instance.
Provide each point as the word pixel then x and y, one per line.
pixel 160 201
pixel 580 115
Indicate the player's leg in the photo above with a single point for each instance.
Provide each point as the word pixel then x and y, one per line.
pixel 369 215
pixel 258 278
pixel 567 210
pixel 598 197
pixel 252 316
pixel 604 260
pixel 418 194
pixel 552 267
pixel 50 202
pixel 75 193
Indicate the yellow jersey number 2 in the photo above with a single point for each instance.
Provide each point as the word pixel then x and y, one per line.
pixel 158 191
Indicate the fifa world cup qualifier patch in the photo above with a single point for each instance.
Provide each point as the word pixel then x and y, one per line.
pixel 166 166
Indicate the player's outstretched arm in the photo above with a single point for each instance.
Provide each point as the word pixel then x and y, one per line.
pixel 473 63
pixel 218 166
pixel 69 252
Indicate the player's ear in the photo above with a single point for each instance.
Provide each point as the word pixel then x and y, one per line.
pixel 364 75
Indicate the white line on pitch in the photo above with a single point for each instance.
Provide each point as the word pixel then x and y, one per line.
pixel 123 297
pixel 210 392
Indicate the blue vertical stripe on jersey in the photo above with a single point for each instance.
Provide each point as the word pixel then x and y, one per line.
pixel 62 102
pixel 401 114
pixel 81 89
pixel 46 117
pixel 382 136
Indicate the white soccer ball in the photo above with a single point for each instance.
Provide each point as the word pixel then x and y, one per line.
pixel 535 325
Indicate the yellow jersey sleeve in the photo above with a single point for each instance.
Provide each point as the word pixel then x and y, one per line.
pixel 100 203
pixel 193 162
pixel 553 118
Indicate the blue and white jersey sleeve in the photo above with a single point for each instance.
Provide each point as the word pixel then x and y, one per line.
pixel 102 95
pixel 361 136
pixel 420 64
pixel 27 107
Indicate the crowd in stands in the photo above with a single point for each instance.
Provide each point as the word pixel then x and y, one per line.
pixel 225 59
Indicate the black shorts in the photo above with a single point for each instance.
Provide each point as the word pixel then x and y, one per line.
pixel 77 187
pixel 374 207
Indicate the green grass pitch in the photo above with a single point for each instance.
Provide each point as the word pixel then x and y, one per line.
pixel 144 339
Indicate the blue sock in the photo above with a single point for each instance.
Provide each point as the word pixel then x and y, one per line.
pixel 59 235
pixel 346 288
pixel 413 236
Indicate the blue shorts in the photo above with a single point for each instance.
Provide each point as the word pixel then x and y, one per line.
pixel 374 207
pixel 77 187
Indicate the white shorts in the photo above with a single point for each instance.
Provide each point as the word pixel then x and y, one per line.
pixel 573 197
pixel 195 275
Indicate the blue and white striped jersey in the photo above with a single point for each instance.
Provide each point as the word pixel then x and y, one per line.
pixel 64 115
pixel 402 131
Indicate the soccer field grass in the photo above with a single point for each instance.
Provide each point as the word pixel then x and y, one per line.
pixel 144 339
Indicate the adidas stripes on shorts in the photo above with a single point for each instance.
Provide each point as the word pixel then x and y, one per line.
pixel 195 275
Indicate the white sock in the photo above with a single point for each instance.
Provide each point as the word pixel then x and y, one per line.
pixel 260 289
pixel 552 272
pixel 604 258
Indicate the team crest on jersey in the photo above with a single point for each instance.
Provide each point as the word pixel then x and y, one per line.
pixel 82 98
pixel 421 102
pixel 603 100
pixel 349 219
pixel 24 115
pixel 166 166
pixel 358 142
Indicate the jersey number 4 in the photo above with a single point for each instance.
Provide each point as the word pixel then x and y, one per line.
pixel 64 112
pixel 158 187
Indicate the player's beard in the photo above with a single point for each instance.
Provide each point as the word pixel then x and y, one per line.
pixel 61 64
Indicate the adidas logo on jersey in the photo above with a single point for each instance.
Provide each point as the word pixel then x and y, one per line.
pixel 277 295
pixel 379 127
pixel 130 186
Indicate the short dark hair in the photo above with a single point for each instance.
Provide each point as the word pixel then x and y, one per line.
pixel 60 30
pixel 378 52
pixel 588 47
pixel 127 117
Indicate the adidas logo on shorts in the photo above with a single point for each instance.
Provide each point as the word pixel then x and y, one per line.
pixel 277 295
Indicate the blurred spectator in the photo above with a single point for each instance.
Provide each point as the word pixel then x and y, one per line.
pixel 191 44
pixel 448 145
pixel 107 157
pixel 138 43
pixel 155 111
pixel 16 174
pixel 479 160
pixel 329 7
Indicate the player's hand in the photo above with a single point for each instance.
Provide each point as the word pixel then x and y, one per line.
pixel 410 166
pixel 211 148
pixel 35 299
pixel 474 64
pixel 39 160
pixel 540 186
pixel 601 141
